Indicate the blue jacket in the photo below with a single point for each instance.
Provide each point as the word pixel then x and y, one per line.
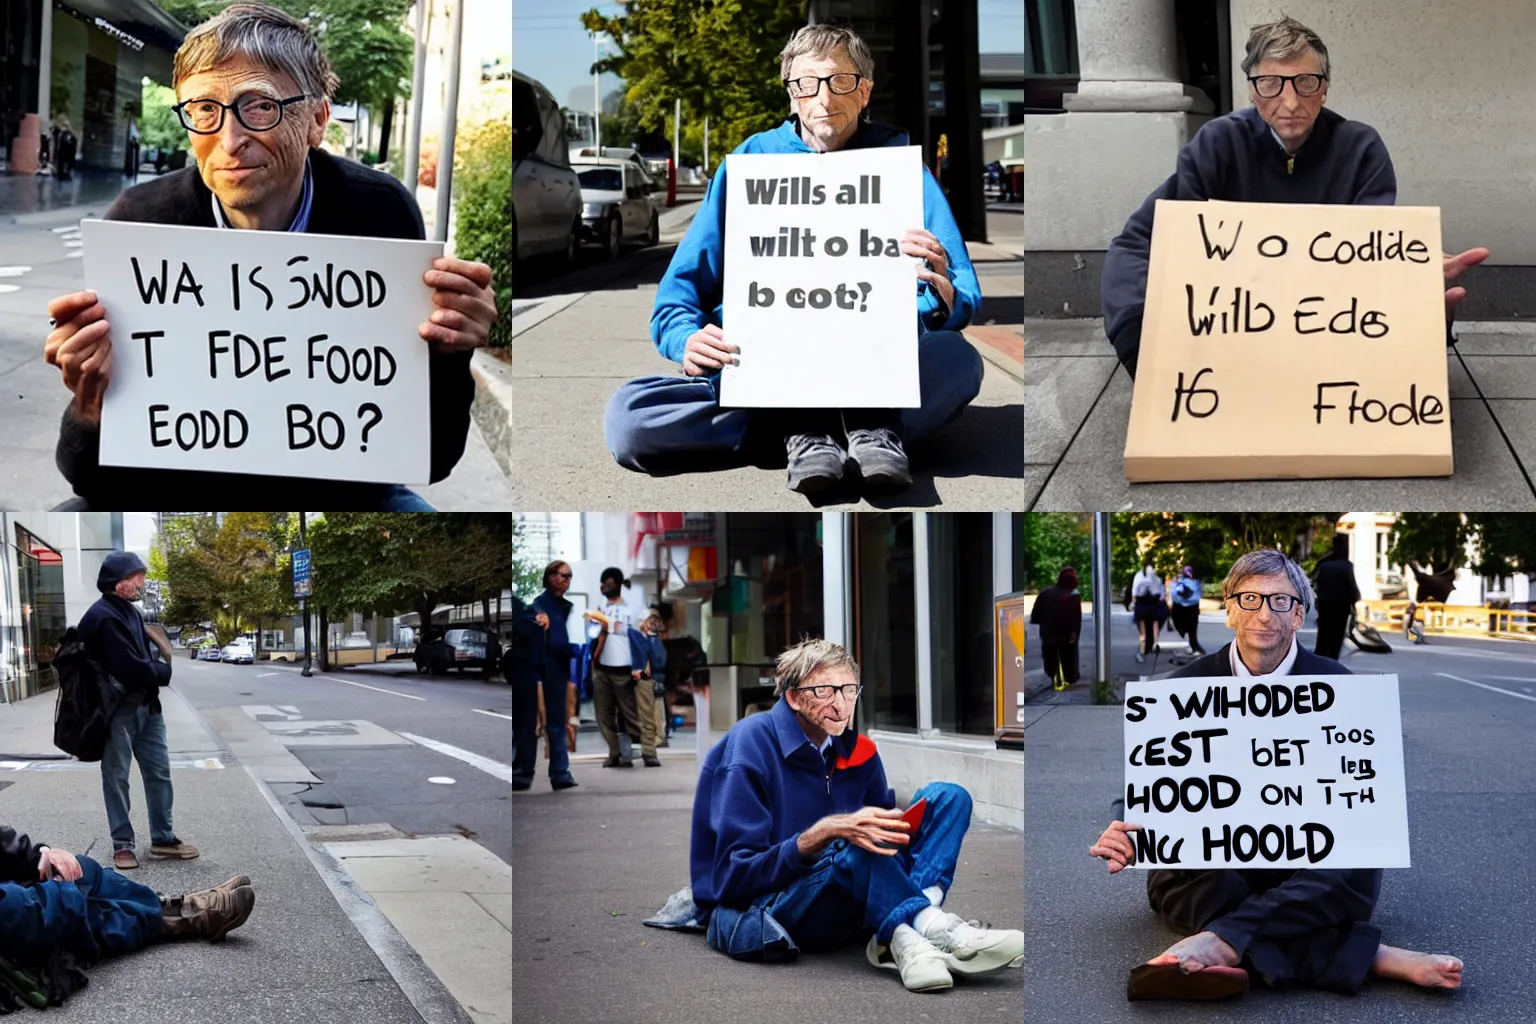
pixel 759 788
pixel 691 293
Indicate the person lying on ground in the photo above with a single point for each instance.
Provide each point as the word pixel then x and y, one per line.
pixel 1309 928
pixel 659 423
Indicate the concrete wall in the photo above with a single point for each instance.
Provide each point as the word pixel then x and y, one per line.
pixel 994 778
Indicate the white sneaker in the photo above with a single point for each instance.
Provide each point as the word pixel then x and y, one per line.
pixel 971 949
pixel 922 966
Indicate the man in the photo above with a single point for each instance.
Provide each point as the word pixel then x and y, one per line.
pixel 620 656
pixel 1337 594
pixel 545 668
pixel 1286 148
pixel 1058 611
pixel 798 844
pixel 254 90
pixel 116 638
pixel 1306 928
pixel 59 912
pixel 657 422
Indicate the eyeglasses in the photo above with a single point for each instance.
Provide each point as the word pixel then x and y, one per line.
pixel 256 113
pixel 562 575
pixel 1270 86
pixel 823 691
pixel 1252 602
pixel 840 84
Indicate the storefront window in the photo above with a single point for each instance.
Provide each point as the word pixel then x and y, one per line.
pixel 960 606
pixel 772 585
pixel 40 589
pixel 886 617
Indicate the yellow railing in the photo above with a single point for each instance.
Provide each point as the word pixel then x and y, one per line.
pixel 1461 619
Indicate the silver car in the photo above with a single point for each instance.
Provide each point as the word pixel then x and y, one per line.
pixel 546 196
pixel 615 207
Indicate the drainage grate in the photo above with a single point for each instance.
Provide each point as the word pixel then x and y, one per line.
pixel 525 307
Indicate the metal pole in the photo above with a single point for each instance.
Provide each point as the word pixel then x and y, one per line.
pixel 304 601
pixel 411 169
pixel 677 127
pixel 706 145
pixel 45 76
pixel 597 104
pixel 450 125
pixel 1101 585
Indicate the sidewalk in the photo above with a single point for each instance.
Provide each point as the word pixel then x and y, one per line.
pixel 1078 402
pixel 593 862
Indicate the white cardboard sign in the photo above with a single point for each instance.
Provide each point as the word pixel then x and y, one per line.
pixel 1283 772
pixel 264 352
pixel 817 293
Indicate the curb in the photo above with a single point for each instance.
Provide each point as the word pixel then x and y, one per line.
pixel 492 408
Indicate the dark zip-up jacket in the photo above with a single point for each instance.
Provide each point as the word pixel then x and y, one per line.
pixel 113 633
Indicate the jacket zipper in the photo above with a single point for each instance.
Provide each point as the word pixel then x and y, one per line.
pixel 1290 165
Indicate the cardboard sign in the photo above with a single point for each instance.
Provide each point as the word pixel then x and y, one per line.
pixel 1291 342
pixel 1272 772
pixel 818 294
pixel 264 352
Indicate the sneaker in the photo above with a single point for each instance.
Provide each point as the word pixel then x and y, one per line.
pixel 559 784
pixel 171 905
pixel 922 966
pixel 653 761
pixel 619 762
pixel 124 860
pixel 518 787
pixel 1140 658
pixel 816 462
pixel 173 851
pixel 210 914
pixel 974 948
pixel 881 459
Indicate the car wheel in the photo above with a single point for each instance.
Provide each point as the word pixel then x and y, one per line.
pixel 653 237
pixel 572 242
pixel 614 239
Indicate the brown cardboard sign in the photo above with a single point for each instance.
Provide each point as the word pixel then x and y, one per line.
pixel 1287 341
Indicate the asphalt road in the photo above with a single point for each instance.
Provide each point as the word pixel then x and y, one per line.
pixel 1470 780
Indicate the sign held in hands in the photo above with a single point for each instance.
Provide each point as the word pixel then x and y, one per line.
pixel 264 352
pixel 1285 341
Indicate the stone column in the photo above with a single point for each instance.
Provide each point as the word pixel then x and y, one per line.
pixel 24 147
pixel 45 67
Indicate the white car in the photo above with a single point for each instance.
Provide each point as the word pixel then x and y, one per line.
pixel 239 652
pixel 615 206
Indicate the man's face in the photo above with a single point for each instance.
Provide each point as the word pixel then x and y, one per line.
pixel 831 119
pixel 1289 114
pixel 559 580
pixel 831 713
pixel 132 588
pixel 609 585
pixel 245 168
pixel 1264 631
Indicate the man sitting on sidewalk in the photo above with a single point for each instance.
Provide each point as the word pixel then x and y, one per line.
pixel 797 842
pixel 657 423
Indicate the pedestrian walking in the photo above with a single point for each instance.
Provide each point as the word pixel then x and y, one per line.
pixel 1337 594
pixel 620 654
pixel 1151 609
pixel 549 672
pixel 1186 609
pixel 116 638
pixel 1412 628
pixel 1058 612
pixel 652 629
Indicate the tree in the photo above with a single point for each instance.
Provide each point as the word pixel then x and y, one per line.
pixel 231 574
pixel 1490 543
pixel 1053 540
pixel 527 576
pixel 159 128
pixel 1210 543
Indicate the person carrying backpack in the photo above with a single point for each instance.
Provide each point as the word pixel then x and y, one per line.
pixel 1186 609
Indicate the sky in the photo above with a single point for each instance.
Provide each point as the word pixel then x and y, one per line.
pixel 549 44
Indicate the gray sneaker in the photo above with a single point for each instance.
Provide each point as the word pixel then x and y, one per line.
pixel 815 462
pixel 880 457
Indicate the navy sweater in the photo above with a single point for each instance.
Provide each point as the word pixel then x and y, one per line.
pixel 1237 158
pixel 759 788
pixel 113 633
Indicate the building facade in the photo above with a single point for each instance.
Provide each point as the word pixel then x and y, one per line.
pixel 1380 579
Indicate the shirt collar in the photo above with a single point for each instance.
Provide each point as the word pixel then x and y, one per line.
pixel 791 737
pixel 300 219
pixel 1284 669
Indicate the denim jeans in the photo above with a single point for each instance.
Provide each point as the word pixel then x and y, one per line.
pixel 102 914
pixel 525 725
pixel 137 733
pixel 851 890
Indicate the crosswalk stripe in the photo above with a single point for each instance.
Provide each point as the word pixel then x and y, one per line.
pixel 485 764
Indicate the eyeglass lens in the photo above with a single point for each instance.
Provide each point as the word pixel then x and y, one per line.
pixel 840 84
pixel 257 113
pixel 1270 86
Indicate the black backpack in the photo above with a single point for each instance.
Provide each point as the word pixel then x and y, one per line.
pixel 87 700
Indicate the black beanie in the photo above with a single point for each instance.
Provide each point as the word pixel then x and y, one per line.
pixel 116 567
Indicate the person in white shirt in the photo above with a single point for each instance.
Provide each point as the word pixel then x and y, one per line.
pixel 1151 609
pixel 623 704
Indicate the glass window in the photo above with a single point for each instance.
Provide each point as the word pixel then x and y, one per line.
pixel 40 578
pixel 886 619
pixel 960 607
pixel 772 590
pixel 601 179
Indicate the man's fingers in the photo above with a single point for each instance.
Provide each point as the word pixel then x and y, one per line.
pixel 1121 826
pixel 864 844
pixel 885 812
pixel 458 276
pixel 713 330
pixel 1453 296
pixel 474 303
pixel 66 306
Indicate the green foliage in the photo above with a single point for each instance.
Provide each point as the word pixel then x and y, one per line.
pixel 1053 540
pixel 1211 542
pixel 527 576
pixel 483 208
pixel 159 128
pixel 231 574
pixel 1502 543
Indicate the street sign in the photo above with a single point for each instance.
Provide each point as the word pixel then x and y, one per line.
pixel 301 581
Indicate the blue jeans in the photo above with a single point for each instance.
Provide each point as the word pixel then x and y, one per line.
pixel 850 890
pixel 659 416
pixel 137 733
pixel 525 723
pixel 102 914
pixel 402 499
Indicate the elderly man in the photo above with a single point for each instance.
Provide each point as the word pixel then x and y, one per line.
pixel 1286 148
pixel 1306 928
pixel 254 90
pixel 676 422
pixel 797 842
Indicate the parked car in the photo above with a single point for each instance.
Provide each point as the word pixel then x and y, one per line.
pixel 652 184
pixel 238 652
pixel 209 651
pixel 546 195
pixel 615 208
pixel 463 648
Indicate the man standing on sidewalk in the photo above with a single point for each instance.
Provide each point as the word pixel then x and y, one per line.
pixel 620 658
pixel 116 638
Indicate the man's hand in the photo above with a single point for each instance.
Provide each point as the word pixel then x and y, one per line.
pixel 918 242
pixel 708 352
pixel 1454 265
pixel 80 345
pixel 542 620
pixel 61 861
pixel 1116 846
pixel 466 305
pixel 635 675
pixel 865 828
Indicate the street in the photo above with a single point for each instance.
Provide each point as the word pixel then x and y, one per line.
pixel 1469 715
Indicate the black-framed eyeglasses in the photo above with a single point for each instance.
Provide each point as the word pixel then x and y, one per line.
pixel 1250 601
pixel 824 690
pixel 561 575
pixel 1270 86
pixel 256 113
pixel 806 86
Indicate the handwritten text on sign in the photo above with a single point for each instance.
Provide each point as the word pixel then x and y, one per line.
pixel 818 294
pixel 1282 772
pixel 264 352
pixel 1291 341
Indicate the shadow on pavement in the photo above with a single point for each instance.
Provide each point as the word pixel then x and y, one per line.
pixel 635 268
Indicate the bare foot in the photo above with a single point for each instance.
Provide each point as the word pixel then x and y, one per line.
pixel 1428 970
pixel 1198 951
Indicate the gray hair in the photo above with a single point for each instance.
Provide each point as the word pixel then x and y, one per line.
pixel 260 33
pixel 823 41
pixel 1282 40
pixel 1267 562
pixel 807 658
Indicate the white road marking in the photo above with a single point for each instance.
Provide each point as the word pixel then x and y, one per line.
pixel 73 243
pixel 441 780
pixel 485 764
pixel 392 692
pixel 10 287
pixel 1485 686
pixel 496 714
pixel 1515 679
pixel 74 254
pixel 66 227
pixel 263 675
pixel 13 271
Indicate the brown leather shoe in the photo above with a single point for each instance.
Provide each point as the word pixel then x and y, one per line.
pixel 210 914
pixel 175 851
pixel 171 905
pixel 124 860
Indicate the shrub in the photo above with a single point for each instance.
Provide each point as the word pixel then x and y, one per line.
pixel 483 207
